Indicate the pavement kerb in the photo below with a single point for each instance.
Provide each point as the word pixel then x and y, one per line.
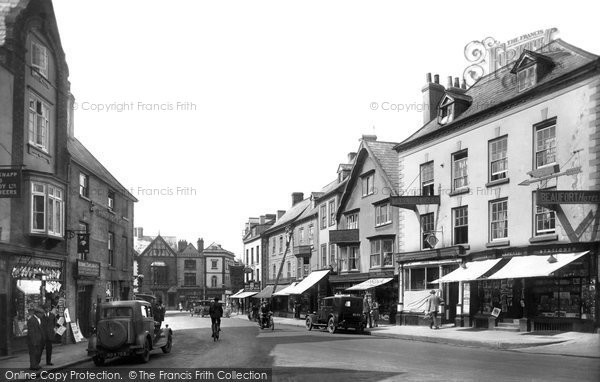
pixel 500 345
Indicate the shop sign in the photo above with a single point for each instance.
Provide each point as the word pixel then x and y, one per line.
pixel 10 183
pixel 544 197
pixel 88 269
pixel 410 201
pixel 35 272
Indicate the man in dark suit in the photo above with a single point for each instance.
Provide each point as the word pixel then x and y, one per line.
pixel 48 326
pixel 35 337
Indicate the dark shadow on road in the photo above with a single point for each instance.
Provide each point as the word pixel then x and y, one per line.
pixel 283 374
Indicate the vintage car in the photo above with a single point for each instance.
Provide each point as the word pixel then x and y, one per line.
pixel 337 312
pixel 127 328
pixel 200 308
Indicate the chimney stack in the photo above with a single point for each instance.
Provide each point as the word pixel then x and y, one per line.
pixel 463 85
pixel 261 220
pixel 456 82
pixel 71 116
pixel 200 245
pixel 428 78
pixel 351 157
pixel 449 83
pixel 181 245
pixel 270 216
pixel 280 213
pixel 297 197
pixel 369 137
pixel 432 95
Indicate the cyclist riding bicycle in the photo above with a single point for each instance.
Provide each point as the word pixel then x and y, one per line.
pixel 216 312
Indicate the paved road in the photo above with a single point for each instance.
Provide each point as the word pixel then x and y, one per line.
pixel 298 355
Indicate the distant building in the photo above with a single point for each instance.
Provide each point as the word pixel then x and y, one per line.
pixel 253 248
pixel 158 265
pixel 217 265
pixel 190 274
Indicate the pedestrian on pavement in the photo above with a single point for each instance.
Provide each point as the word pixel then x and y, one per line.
pixel 180 307
pixel 367 311
pixel 35 337
pixel 254 311
pixel 432 304
pixel 375 312
pixel 48 331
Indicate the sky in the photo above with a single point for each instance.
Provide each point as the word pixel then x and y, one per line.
pixel 211 112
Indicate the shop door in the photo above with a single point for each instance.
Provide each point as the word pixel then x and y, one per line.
pixel 84 307
pixel 3 324
pixel 171 300
pixel 452 301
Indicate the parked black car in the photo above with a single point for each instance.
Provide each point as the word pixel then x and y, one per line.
pixel 126 328
pixel 337 312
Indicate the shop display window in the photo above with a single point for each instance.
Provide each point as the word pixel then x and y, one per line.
pixel 558 297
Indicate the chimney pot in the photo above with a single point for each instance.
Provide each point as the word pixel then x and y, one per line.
pixel 456 82
pixel 428 78
pixel 449 82
pixel 463 85
pixel 436 78
pixel 200 245
pixel 432 94
pixel 351 157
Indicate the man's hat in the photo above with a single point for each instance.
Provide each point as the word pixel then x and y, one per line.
pixel 37 309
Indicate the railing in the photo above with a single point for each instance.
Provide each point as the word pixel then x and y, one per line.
pixel 548 326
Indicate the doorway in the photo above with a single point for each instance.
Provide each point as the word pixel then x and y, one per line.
pixel 84 307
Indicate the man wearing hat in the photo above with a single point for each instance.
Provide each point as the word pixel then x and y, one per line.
pixel 35 337
pixel 432 304
pixel 48 326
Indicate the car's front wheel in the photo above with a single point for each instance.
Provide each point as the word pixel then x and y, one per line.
pixel 309 323
pixel 331 325
pixel 145 356
pixel 98 360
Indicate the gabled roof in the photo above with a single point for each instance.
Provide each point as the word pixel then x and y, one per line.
pixel 494 91
pixel 386 164
pixel 216 249
pixel 190 251
pixel 290 216
pixel 160 247
pixel 80 154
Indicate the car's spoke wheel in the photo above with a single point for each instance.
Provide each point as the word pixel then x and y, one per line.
pixel 309 323
pixel 145 356
pixel 331 325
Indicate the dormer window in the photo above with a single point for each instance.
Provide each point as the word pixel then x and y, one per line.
pixel 526 78
pixel 446 111
pixel 530 68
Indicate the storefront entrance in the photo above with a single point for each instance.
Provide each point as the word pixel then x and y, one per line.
pixel 84 307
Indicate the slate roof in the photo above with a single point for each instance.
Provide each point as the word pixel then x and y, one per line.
pixel 387 158
pixel 291 215
pixel 81 155
pixel 500 86
pixel 215 248
pixel 189 251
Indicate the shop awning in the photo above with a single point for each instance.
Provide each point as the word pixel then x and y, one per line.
pixel 158 264
pixel 285 291
pixel 243 294
pixel 370 283
pixel 236 293
pixel 310 280
pixel 268 291
pixel 535 266
pixel 472 271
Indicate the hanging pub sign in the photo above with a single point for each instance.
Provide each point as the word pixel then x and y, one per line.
pixel 10 183
pixel 544 197
pixel 83 243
